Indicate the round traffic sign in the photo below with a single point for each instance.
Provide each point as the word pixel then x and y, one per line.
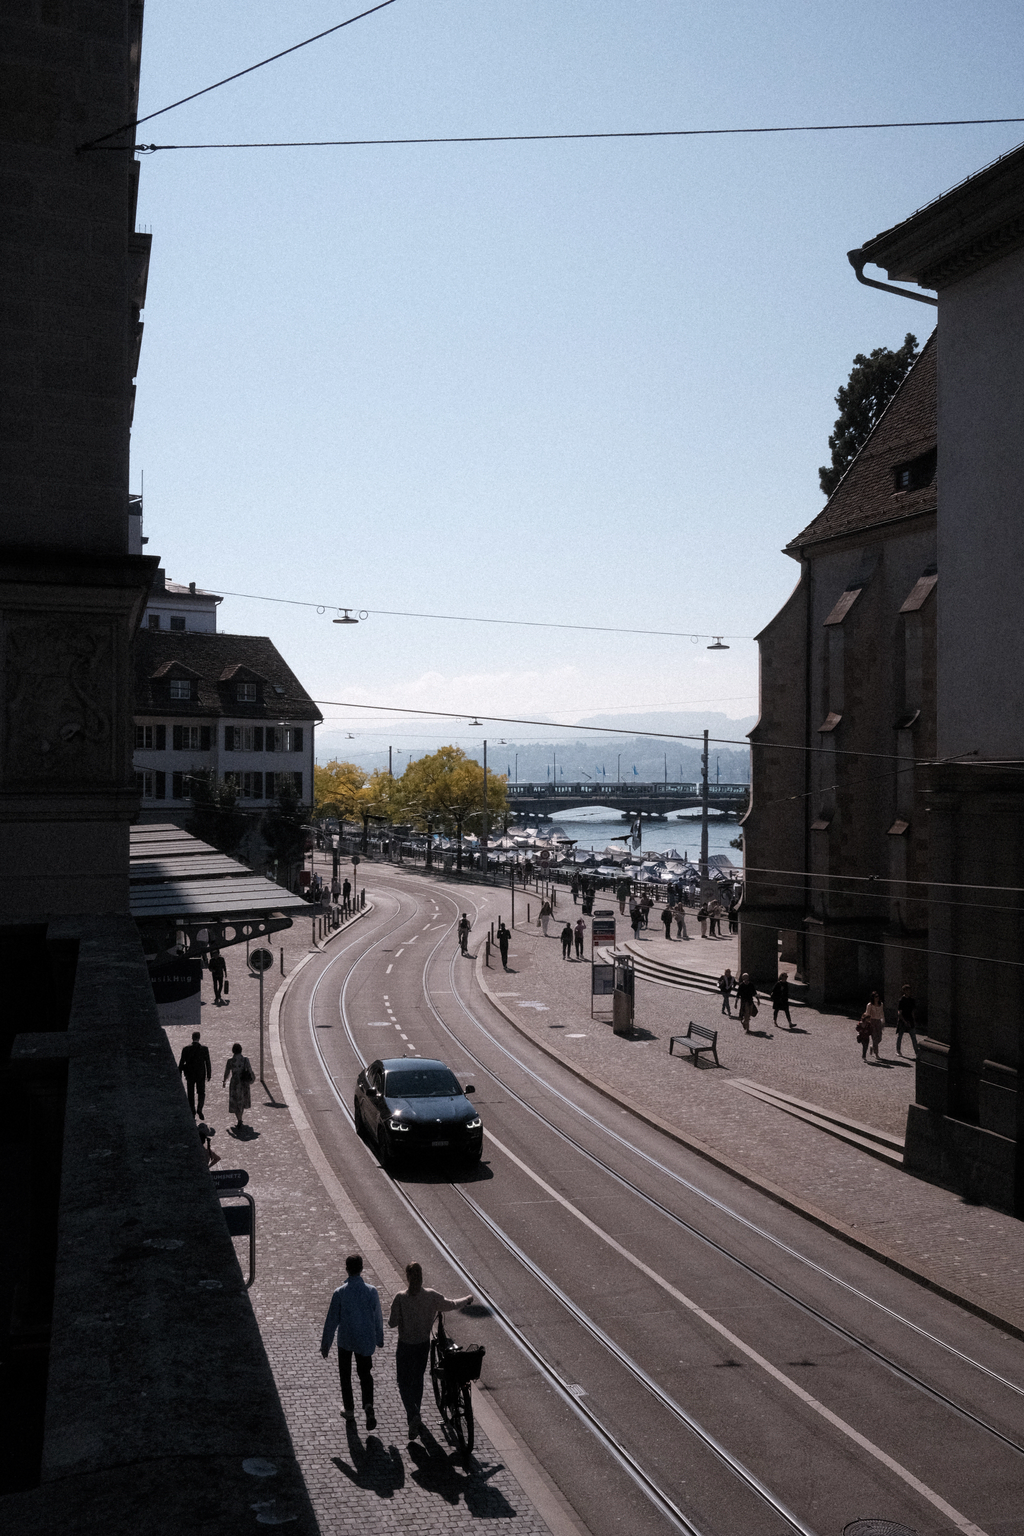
pixel 260 960
pixel 355 859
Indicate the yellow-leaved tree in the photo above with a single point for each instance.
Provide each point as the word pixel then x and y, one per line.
pixel 336 790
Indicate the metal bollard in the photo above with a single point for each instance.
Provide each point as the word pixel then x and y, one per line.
pixel 282 962
pixel 487 951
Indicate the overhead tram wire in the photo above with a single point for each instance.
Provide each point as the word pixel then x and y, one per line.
pixel 136 121
pixel 608 730
pixel 548 138
pixel 468 618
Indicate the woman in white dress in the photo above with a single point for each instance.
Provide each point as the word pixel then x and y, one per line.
pixel 241 1075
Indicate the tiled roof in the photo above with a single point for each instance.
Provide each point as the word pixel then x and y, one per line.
pixel 212 659
pixel 866 496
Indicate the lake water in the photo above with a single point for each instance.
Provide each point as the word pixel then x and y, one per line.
pixel 596 830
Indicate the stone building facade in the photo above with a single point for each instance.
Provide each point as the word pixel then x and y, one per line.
pixel 967 1126
pixel 847 716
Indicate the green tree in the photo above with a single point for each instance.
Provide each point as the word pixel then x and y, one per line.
pixel 283 829
pixel 445 791
pixel 872 383
pixel 215 815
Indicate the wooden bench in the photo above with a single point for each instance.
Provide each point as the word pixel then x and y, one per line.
pixel 695 1033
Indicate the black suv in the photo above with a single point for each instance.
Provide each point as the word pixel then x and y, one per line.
pixel 410 1105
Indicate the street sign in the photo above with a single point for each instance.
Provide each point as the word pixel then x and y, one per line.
pixel 355 860
pixel 229 1178
pixel 260 960
pixel 602 980
pixel 602 928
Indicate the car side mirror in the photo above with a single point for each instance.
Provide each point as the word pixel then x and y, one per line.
pixel 469 1088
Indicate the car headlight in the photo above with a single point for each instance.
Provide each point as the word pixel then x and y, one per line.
pixel 398 1125
pixel 474 1124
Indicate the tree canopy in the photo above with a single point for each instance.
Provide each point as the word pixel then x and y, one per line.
pixel 872 383
pixel 336 790
pixel 446 789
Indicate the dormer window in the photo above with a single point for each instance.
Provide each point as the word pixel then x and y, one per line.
pixel 915 474
pixel 245 693
pixel 181 688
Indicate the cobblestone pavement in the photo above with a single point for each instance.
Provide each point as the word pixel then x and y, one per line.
pixel 974 1251
pixel 357 1482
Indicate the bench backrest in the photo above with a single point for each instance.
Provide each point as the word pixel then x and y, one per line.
pixel 698 1029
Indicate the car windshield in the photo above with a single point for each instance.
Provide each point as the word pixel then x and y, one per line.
pixel 421 1083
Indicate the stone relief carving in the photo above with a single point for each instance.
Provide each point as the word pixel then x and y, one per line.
pixel 59 701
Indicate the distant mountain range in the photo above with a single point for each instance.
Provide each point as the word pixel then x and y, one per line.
pixel 667 721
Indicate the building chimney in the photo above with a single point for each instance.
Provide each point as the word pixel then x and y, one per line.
pixel 159 580
pixel 192 588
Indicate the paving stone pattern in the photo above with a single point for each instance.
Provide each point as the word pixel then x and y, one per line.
pixel 357 1482
pixel 975 1251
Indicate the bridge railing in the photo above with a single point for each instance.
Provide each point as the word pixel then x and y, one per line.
pixel 599 791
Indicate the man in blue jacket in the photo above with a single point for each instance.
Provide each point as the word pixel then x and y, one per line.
pixel 355 1316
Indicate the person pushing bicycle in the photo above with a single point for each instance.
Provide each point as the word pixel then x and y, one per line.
pixel 413 1312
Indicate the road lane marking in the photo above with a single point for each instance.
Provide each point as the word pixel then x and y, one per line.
pixel 411 941
pixel 935 1499
pixel 388 971
pixel 379 1024
pixel 397 953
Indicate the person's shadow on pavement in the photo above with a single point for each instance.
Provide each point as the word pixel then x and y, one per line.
pixel 437 1471
pixel 377 1470
pixel 243 1132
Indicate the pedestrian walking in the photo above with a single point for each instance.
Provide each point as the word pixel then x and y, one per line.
pixel 746 996
pixel 906 1020
pixel 355 1316
pixel 336 890
pixel 623 891
pixel 702 918
pixel 715 910
pixel 579 934
pixel 218 975
pixel 413 1312
pixel 734 916
pixel 679 912
pixel 874 1017
pixel 567 942
pixel 666 918
pixel 241 1075
pixel 574 886
pixel 463 931
pixel 503 940
pixel 727 986
pixel 635 919
pixel 545 917
pixel 195 1068
pixel 645 910
pixel 780 999
pixel 346 891
pixel 863 1037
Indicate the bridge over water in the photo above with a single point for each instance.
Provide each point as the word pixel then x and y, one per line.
pixel 653 799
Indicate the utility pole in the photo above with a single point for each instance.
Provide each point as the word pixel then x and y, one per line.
pixel 390 774
pixel 483 840
pixel 704 817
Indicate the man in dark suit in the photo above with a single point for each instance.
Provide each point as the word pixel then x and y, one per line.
pixel 195 1068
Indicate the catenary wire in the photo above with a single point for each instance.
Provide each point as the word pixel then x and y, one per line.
pixel 546 138
pixel 607 730
pixel 135 121
pixel 467 618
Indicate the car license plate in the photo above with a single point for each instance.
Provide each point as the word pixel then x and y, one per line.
pixel 438 1143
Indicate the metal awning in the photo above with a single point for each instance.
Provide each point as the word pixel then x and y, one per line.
pixel 175 875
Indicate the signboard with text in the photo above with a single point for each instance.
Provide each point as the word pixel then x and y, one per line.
pixel 177 987
pixel 602 928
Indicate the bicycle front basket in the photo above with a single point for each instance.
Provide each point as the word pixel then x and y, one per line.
pixel 462 1365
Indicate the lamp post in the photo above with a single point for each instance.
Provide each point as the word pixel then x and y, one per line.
pixel 483 836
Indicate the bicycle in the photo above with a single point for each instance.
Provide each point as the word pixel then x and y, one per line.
pixel 452 1369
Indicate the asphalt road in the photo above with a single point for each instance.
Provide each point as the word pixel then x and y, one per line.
pixel 678 1351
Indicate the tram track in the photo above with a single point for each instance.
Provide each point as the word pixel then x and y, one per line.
pixel 620 1454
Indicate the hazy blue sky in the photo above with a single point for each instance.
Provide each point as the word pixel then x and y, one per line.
pixel 585 382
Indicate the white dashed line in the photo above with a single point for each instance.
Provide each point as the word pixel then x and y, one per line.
pixel 397 953
pixel 388 971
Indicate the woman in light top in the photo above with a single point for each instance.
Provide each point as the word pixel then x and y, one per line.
pixel 413 1312
pixel 874 1018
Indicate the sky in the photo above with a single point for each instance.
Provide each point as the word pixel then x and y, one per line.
pixel 557 383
